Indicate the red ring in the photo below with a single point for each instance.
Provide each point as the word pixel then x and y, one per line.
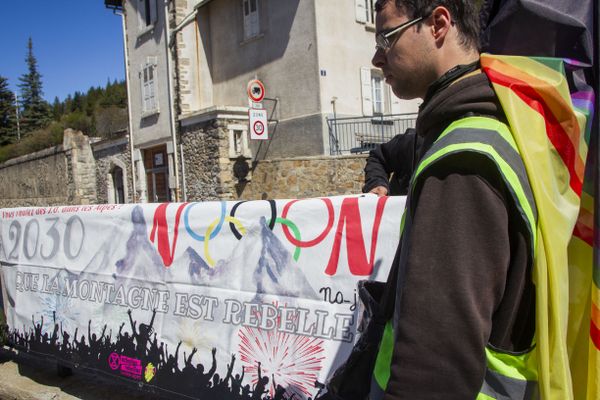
pixel 318 239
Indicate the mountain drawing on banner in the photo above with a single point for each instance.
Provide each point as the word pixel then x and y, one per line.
pixel 259 264
pixel 197 267
pixel 64 307
pixel 141 260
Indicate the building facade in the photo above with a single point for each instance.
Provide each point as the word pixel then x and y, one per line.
pixel 189 63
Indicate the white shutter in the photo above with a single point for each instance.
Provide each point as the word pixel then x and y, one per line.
pixel 360 10
pixel 365 82
pixel 143 86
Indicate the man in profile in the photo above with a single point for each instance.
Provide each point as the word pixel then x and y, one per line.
pixel 460 294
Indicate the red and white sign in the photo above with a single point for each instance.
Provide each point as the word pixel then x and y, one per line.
pixel 256 90
pixel 259 128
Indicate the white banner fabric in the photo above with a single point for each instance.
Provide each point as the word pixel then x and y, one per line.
pixel 208 300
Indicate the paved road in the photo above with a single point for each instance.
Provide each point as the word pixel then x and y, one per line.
pixel 23 377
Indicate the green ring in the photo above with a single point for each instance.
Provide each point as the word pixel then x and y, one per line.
pixel 295 231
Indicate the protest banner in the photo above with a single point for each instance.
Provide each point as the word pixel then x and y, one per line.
pixel 204 300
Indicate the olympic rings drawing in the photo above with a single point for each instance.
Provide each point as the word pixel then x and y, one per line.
pixel 287 222
pixel 318 239
pixel 194 234
pixel 238 229
pixel 271 221
pixel 208 233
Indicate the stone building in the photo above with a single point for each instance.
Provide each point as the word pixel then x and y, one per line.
pixel 188 66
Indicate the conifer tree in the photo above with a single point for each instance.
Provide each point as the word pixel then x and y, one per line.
pixel 57 109
pixel 8 127
pixel 36 111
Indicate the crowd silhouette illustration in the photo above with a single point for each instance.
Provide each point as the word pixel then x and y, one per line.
pixel 160 367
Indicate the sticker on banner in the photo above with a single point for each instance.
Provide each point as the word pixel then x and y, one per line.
pixel 259 128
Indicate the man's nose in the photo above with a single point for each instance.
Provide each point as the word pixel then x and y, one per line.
pixel 378 58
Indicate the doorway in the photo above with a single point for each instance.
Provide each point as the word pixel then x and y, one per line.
pixel 157 174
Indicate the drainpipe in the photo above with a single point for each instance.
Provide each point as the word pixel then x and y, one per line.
pixel 183 173
pixel 129 117
pixel 171 97
pixel 186 20
pixel 171 44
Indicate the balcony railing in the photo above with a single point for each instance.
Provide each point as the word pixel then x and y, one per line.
pixel 351 135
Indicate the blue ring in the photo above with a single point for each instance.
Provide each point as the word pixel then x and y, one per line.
pixel 194 234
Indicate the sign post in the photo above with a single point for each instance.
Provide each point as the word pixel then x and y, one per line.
pixel 257 115
pixel 259 128
pixel 256 91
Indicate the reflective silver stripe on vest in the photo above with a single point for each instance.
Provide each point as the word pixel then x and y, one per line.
pixel 376 393
pixel 502 147
pixel 505 388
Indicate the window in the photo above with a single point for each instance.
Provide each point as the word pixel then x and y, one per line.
pixel 148 79
pixel 251 21
pixel 146 14
pixel 238 141
pixel 365 11
pixel 375 93
pixel 378 93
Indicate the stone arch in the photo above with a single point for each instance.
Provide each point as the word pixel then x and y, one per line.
pixel 117 190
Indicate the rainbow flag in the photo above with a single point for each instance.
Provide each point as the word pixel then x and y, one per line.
pixel 552 124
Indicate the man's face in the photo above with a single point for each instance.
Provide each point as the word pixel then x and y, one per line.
pixel 406 65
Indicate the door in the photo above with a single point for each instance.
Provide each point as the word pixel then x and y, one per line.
pixel 157 174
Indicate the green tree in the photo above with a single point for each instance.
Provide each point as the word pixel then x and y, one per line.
pixel 36 111
pixel 58 109
pixel 8 126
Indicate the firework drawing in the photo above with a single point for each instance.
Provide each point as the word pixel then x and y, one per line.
pixel 288 360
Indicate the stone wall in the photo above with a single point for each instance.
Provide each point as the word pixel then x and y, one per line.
pixel 62 174
pixel 111 154
pixel 211 173
pixel 206 162
pixel 304 177
pixel 79 173
pixel 81 168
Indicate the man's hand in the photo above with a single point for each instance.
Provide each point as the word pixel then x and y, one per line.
pixel 379 191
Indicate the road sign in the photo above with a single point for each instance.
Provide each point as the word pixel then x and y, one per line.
pixel 259 128
pixel 256 90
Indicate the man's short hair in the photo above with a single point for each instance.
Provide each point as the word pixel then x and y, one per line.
pixel 464 14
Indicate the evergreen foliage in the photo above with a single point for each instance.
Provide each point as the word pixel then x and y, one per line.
pixel 8 117
pixel 36 111
pixel 100 112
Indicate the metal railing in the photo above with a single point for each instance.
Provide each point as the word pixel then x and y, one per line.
pixel 351 135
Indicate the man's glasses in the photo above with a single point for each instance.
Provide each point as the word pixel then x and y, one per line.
pixel 382 39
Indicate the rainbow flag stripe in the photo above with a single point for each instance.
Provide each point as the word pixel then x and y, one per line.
pixel 551 124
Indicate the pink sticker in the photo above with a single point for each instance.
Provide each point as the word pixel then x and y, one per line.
pixel 114 361
pixel 129 367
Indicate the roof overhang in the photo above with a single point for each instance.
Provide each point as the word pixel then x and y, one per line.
pixel 115 5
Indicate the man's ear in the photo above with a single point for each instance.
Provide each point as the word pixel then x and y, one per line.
pixel 441 22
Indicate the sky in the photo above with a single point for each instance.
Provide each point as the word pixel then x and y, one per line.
pixel 77 44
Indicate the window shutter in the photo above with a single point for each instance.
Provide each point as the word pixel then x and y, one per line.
pixel 361 11
pixel 143 74
pixel 365 82
pixel 153 81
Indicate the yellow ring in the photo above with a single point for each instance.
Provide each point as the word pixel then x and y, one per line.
pixel 211 227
